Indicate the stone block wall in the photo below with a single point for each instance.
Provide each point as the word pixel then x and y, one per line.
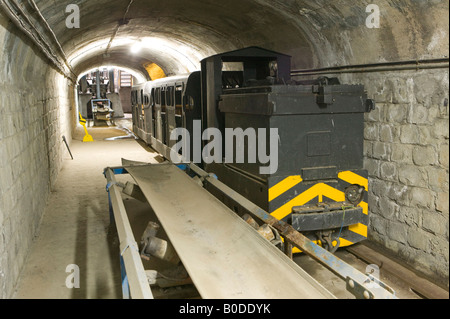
pixel 35 111
pixel 407 155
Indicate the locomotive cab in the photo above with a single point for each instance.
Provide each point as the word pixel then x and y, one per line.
pixel 311 131
pixel 320 186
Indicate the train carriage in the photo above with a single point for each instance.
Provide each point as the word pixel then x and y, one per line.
pixel 320 186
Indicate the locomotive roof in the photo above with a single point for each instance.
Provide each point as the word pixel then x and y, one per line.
pixel 253 51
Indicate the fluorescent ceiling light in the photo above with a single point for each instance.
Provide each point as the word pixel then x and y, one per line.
pixel 136 47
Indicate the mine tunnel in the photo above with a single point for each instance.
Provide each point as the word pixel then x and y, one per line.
pixel 54 209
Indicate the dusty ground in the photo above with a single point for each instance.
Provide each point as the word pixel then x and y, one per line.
pixel 75 228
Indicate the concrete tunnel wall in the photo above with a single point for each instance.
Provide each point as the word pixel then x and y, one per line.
pixel 406 149
pixel 35 112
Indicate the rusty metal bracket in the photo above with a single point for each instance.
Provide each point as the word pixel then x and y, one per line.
pixel 365 290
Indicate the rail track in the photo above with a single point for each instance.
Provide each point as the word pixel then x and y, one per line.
pixel 406 283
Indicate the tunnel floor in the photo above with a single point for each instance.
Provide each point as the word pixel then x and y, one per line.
pixel 76 228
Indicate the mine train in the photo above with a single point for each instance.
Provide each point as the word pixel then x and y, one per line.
pixel 320 186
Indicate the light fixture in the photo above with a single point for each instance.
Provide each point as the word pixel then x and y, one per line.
pixel 136 47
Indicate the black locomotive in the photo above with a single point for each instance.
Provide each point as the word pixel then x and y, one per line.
pixel 316 181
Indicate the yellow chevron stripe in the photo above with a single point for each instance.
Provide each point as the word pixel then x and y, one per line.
pixel 353 178
pixel 345 242
pixel 306 196
pixel 365 207
pixel 284 186
pixel 360 229
pixel 319 190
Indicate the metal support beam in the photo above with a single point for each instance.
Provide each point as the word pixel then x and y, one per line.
pixel 361 285
pixel 97 84
pixel 376 67
pixel 134 278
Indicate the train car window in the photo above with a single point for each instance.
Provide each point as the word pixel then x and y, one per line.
pixel 152 97
pixel 232 79
pixel 168 90
pixel 163 96
pixel 158 96
pixel 233 66
pixel 191 103
pixel 163 99
pixel 232 75
pixel 152 100
pixel 179 100
pixel 178 95
pixel 169 95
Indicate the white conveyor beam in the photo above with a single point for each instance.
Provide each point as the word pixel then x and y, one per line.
pixel 225 257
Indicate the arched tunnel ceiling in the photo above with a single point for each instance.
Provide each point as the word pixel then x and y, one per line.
pixel 178 34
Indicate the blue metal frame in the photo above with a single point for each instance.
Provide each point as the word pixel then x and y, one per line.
pixel 125 285
pixel 123 272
